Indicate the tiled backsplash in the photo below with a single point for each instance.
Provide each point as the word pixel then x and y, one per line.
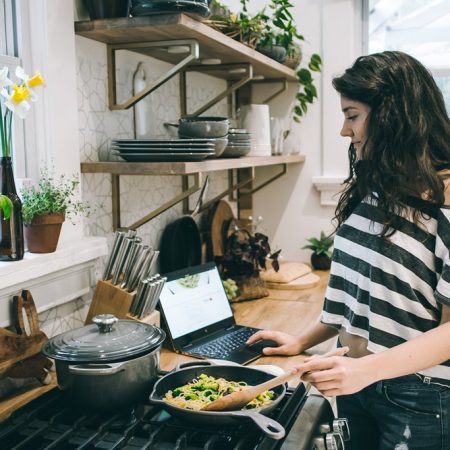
pixel 98 125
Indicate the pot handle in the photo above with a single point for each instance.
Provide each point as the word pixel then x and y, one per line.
pixel 97 369
pixel 271 427
pixel 205 363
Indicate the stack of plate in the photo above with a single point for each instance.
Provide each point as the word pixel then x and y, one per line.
pixel 160 150
pixel 239 143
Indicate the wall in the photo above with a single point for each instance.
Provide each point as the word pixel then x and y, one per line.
pixel 290 206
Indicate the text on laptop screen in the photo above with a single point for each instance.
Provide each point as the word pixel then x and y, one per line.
pixel 193 302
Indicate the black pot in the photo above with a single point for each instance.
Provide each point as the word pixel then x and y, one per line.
pixel 107 9
pixel 276 52
pixel 108 365
pixel 251 376
pixel 320 262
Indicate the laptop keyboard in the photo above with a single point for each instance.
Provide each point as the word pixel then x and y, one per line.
pixel 223 346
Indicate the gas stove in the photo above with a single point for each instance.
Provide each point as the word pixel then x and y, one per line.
pixel 50 423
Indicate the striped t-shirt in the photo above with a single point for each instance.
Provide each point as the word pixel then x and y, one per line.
pixel 390 290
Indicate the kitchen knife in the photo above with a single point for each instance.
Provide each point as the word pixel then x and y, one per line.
pixel 131 261
pixel 140 274
pixel 150 306
pixel 142 286
pixel 121 259
pixel 112 256
pixel 148 293
pixel 134 277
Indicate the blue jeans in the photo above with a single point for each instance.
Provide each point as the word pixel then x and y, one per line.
pixel 405 413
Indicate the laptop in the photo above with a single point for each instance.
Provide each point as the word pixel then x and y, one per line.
pixel 199 320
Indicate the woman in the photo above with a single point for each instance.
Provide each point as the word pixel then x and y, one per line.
pixel 388 297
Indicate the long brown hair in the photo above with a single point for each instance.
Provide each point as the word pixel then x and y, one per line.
pixel 408 136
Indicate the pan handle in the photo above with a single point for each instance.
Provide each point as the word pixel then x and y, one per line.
pixel 271 427
pixel 205 363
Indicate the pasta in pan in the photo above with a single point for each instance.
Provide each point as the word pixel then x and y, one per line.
pixel 205 389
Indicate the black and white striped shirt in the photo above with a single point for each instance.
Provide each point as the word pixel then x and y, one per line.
pixel 390 290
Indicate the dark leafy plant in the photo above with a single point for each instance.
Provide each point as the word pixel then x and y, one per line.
pixel 53 195
pixel 245 254
pixel 322 245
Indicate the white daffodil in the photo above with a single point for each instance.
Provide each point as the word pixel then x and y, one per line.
pixel 17 100
pixel 30 82
pixel 4 80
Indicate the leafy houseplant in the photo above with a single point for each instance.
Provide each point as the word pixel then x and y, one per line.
pixel 245 254
pixel 46 207
pixel 322 251
pixel 15 99
pixel 280 29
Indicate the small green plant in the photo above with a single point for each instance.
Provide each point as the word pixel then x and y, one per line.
pixel 53 195
pixel 322 245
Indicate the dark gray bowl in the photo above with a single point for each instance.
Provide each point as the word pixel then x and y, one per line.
pixel 203 127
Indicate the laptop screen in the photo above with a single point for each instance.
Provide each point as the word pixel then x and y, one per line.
pixel 194 299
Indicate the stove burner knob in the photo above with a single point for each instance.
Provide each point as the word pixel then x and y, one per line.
pixel 341 426
pixel 334 441
pixel 319 443
pixel 325 428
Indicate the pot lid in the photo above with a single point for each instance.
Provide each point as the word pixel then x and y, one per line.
pixel 107 339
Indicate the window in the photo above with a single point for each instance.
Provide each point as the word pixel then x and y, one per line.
pixel 420 28
pixel 9 58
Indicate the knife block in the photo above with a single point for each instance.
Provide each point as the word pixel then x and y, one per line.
pixel 111 299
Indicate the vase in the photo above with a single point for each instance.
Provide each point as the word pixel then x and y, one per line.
pixel 42 234
pixel 11 229
pixel 320 262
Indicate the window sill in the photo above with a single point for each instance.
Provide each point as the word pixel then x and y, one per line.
pixel 53 278
pixel 329 188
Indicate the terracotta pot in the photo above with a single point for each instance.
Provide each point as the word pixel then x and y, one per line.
pixel 320 262
pixel 42 234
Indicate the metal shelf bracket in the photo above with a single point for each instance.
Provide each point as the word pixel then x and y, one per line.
pixel 189 190
pixel 111 49
pixel 283 88
pixel 231 188
pixel 251 191
pixel 245 68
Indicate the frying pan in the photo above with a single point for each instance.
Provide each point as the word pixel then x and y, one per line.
pixel 184 375
pixel 180 245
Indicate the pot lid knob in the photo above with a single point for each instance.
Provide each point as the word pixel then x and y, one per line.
pixel 105 322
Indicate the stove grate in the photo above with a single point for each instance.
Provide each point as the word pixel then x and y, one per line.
pixel 49 423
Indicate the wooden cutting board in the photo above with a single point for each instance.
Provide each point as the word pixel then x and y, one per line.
pixel 28 339
pixel 305 282
pixel 222 217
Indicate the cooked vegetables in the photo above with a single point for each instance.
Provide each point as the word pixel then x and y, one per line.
pixel 205 389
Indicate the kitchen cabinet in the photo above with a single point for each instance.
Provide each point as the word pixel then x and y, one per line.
pixel 185 42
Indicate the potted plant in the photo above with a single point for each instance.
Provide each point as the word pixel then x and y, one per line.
pixel 45 208
pixel 322 251
pixel 245 254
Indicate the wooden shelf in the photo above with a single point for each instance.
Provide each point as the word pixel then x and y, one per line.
pixel 116 169
pixel 187 168
pixel 163 27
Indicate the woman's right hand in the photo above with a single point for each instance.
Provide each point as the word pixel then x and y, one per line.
pixel 287 344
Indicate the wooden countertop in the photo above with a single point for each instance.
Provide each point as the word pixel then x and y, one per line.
pixel 289 311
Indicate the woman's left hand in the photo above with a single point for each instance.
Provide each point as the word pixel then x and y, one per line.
pixel 336 375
